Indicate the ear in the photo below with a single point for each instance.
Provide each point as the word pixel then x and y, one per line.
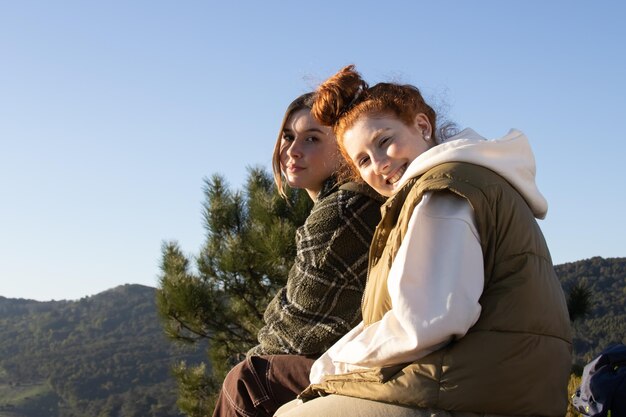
pixel 422 124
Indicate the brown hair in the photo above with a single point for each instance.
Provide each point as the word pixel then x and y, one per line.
pixel 344 97
pixel 304 102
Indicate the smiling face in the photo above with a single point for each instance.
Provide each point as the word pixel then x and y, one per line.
pixel 382 147
pixel 308 153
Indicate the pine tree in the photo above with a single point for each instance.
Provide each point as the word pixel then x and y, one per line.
pixel 579 301
pixel 247 255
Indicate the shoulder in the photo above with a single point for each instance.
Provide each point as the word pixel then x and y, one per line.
pixel 445 204
pixel 362 189
pixel 353 200
pixel 432 207
pixel 342 205
pixel 353 195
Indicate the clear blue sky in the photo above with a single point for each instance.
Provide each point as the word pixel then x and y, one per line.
pixel 112 113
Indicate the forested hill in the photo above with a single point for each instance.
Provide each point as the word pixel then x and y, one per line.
pixel 104 355
pixel 605 324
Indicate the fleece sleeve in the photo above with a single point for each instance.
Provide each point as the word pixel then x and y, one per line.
pixel 321 301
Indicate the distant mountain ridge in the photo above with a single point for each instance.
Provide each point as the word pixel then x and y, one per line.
pixel 103 355
pixel 606 322
pixel 106 355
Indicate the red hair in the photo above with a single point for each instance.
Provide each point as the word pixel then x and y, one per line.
pixel 343 98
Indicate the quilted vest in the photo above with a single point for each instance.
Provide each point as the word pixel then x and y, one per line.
pixel 516 359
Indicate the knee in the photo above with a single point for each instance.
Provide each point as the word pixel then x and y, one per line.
pixel 237 373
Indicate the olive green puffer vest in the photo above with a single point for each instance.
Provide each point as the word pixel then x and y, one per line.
pixel 516 359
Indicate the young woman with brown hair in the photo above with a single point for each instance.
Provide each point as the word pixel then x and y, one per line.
pixel 321 300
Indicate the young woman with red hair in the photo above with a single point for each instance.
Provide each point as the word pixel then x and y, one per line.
pixel 463 314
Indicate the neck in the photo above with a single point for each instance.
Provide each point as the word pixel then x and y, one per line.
pixel 325 187
pixel 313 194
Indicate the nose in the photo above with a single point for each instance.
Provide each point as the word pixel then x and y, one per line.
pixel 380 163
pixel 294 150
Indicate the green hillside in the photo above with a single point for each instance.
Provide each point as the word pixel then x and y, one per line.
pixel 104 355
pixel 107 356
pixel 605 324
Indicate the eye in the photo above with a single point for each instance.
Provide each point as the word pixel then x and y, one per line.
pixel 363 161
pixel 311 139
pixel 287 137
pixel 384 140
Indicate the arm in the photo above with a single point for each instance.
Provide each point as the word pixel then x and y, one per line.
pixel 321 301
pixel 434 283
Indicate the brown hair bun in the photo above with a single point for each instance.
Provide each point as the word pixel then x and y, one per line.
pixel 338 94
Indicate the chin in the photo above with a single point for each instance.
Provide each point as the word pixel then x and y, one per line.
pixel 293 182
pixel 385 192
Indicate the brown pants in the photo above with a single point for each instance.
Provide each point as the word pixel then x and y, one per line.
pixel 257 386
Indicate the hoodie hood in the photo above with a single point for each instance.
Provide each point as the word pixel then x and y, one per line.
pixel 509 156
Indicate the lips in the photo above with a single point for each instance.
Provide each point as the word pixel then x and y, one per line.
pixel 395 177
pixel 294 168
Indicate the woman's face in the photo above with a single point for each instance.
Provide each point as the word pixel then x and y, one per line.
pixel 382 148
pixel 308 153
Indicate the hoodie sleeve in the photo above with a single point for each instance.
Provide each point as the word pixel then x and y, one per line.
pixel 434 283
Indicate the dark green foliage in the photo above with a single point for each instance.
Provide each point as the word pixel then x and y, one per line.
pixel 579 301
pixel 246 257
pixel 196 389
pixel 100 356
pixel 598 286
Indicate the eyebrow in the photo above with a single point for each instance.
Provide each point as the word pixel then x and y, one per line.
pixel 313 129
pixel 377 134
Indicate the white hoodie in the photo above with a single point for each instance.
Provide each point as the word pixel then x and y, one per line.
pixel 437 276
